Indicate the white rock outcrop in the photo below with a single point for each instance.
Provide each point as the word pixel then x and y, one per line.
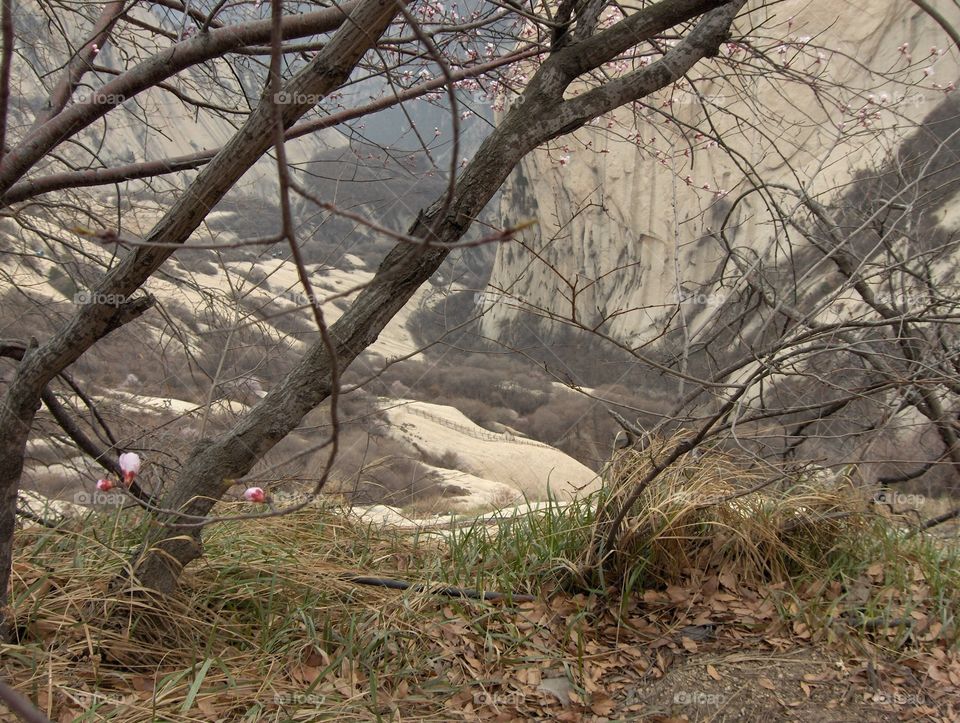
pixel 625 210
pixel 493 469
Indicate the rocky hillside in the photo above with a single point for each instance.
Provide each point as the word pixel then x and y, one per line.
pixel 220 336
pixel 627 215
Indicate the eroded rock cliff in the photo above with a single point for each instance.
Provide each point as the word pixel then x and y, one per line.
pixel 628 210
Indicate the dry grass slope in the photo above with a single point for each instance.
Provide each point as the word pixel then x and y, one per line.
pixel 800 603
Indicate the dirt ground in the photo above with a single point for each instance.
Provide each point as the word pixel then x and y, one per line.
pixel 802 684
pixel 797 685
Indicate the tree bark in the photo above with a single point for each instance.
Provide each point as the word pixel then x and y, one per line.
pixel 206 475
pixel 541 115
pixel 325 73
pixel 18 409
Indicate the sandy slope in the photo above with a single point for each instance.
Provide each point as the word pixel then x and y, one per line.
pixel 479 468
pixel 517 463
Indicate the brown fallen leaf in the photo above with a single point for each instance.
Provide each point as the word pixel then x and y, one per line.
pixel 304 674
pixel 677 594
pixel 317 658
pixel 602 704
pixel 713 673
pixel 67 715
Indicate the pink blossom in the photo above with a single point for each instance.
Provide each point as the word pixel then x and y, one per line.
pixel 95 48
pixel 130 465
pixel 105 485
pixel 254 494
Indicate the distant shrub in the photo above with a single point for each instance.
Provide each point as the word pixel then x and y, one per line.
pixel 447 460
pixel 205 267
pixel 256 276
pixel 61 282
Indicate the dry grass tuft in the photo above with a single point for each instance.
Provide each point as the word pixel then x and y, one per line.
pixel 712 509
pixel 266 626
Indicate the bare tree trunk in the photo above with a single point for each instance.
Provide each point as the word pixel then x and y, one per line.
pixel 544 114
pixel 325 73
pixel 541 116
pixel 20 405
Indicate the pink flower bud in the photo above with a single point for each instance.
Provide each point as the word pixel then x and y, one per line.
pixel 130 465
pixel 254 494
pixel 104 485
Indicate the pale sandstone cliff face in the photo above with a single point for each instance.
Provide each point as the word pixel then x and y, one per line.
pixel 627 221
